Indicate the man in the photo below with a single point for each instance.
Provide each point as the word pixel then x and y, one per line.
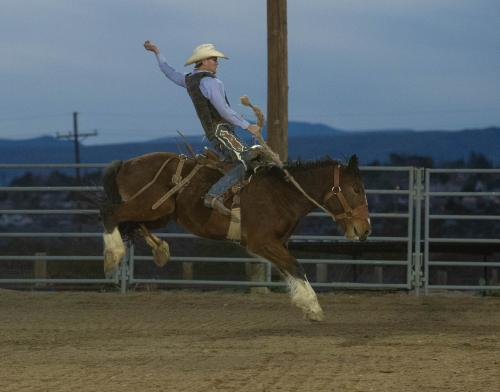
pixel 216 116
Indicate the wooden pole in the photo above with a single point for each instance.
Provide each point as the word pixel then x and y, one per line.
pixel 40 268
pixel 277 78
pixel 76 141
pixel 277 102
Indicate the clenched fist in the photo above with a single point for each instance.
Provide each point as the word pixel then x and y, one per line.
pixel 151 47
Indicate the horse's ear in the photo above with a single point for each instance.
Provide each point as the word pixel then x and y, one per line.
pixel 353 162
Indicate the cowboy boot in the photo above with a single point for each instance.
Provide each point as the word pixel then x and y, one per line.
pixel 216 204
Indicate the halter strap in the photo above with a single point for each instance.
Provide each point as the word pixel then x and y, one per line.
pixel 348 212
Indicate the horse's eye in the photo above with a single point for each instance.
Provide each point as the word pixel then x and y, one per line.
pixel 356 189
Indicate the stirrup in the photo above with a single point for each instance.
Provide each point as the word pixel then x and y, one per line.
pixel 216 204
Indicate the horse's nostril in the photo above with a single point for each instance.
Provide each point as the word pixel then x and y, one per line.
pixel 365 235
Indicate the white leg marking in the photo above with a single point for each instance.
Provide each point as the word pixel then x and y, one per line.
pixel 304 297
pixel 114 249
pixel 114 241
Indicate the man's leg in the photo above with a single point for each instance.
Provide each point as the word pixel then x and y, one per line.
pixel 213 199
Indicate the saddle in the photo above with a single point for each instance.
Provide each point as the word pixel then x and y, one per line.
pixel 210 158
pixel 254 159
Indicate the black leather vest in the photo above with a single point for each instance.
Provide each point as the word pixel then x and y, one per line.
pixel 208 115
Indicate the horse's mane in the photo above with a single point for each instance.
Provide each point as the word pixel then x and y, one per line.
pixel 299 165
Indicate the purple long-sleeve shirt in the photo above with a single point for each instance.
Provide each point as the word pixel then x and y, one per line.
pixel 211 88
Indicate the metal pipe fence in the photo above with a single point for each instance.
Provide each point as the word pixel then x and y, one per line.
pixel 126 274
pixel 412 190
pixel 489 244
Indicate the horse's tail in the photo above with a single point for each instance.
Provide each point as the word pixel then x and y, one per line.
pixel 111 195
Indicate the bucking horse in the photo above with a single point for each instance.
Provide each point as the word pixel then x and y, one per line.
pixel 146 192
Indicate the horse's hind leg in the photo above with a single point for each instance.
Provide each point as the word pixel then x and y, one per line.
pixel 301 292
pixel 123 212
pixel 114 249
pixel 160 248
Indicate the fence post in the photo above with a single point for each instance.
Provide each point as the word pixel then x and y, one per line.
pixel 417 256
pixel 494 276
pixel 442 277
pixel 124 267
pixel 40 268
pixel 187 270
pixel 257 272
pixel 322 273
pixel 427 190
pixel 379 274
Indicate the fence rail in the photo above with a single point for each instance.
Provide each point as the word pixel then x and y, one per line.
pixel 414 192
pixel 429 262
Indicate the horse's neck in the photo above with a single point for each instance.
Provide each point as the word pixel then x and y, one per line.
pixel 312 181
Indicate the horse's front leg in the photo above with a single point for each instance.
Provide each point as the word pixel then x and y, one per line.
pixel 301 292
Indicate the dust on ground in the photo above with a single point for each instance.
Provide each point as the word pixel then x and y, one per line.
pixel 230 341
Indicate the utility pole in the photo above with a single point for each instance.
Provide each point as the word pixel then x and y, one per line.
pixel 277 104
pixel 277 77
pixel 76 136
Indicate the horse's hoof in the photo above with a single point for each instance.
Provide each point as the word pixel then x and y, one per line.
pixel 110 263
pixel 110 274
pixel 314 316
pixel 161 254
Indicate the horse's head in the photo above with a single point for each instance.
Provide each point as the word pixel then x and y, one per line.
pixel 346 200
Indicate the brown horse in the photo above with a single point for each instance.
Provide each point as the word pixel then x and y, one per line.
pixel 271 206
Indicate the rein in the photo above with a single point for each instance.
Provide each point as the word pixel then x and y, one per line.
pixel 348 212
pixel 297 185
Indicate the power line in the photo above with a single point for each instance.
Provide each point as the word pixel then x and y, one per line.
pixel 76 136
pixel 295 114
pixel 164 115
pixel 410 113
pixel 33 117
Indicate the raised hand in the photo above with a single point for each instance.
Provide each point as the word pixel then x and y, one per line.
pixel 148 45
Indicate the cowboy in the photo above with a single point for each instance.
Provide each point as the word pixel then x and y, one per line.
pixel 216 116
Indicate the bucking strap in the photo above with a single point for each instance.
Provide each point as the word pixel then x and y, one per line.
pixel 176 188
pixel 152 181
pixel 177 177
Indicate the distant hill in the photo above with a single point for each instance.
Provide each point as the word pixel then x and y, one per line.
pixel 306 141
pixel 441 146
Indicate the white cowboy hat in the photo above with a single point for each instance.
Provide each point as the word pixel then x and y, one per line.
pixel 202 52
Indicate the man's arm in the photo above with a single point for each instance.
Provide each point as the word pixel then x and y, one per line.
pixel 213 89
pixel 175 76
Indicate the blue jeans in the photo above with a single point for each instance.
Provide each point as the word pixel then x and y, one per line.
pixel 228 144
pixel 232 177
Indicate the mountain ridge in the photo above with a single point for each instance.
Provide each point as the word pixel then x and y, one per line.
pixel 306 141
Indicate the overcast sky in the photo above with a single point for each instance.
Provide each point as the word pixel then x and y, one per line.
pixel 353 64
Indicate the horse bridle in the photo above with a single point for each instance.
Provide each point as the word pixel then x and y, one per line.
pixel 348 213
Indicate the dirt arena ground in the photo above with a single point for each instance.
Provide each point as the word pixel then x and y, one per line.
pixel 223 341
